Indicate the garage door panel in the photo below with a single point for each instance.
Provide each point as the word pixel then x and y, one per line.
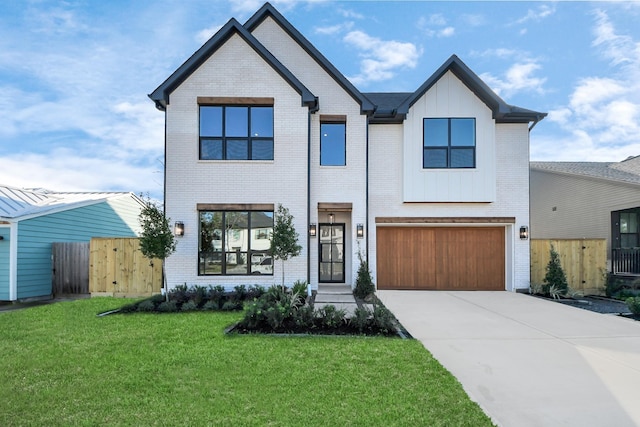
pixel 441 258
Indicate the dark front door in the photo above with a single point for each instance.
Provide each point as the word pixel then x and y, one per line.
pixel 331 253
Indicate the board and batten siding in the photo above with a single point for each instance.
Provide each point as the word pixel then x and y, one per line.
pixel 4 263
pixel 36 235
pixel 449 98
pixel 582 205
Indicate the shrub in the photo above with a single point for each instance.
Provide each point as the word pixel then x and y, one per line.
pixel 146 306
pixel 189 306
pixel 218 295
pixel 254 291
pixel 200 295
pixel 300 287
pixel 383 319
pixel 364 282
pixel 555 278
pixel 331 317
pixel 361 319
pixel 210 306
pixel 232 305
pixel 168 307
pixel 179 294
pixel 239 293
pixel 304 317
pixel 634 305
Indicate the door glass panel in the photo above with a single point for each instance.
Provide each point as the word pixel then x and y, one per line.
pixel 337 273
pixel 331 248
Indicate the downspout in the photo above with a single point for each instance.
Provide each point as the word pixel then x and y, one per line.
pixel 164 203
pixel 366 221
pixel 535 122
pixel 13 261
pixel 308 197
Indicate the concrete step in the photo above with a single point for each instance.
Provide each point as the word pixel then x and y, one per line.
pixel 335 289
pixel 334 298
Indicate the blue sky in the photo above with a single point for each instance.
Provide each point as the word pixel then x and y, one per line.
pixel 74 75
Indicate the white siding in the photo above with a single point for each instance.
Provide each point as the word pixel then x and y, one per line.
pixel 449 97
pixel 235 70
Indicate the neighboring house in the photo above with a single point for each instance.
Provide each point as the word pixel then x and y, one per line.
pixel 430 186
pixel 31 220
pixel 576 200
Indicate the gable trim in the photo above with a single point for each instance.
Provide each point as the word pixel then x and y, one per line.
pixel 162 93
pixel 225 100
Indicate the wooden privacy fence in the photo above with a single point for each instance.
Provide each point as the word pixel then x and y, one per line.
pixel 584 262
pixel 118 268
pixel 70 268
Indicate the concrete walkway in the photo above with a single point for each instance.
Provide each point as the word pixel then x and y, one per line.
pixel 340 296
pixel 527 361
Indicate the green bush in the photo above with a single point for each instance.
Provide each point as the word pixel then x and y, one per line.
pixel 210 306
pixel 361 319
pixel 383 319
pixel 304 317
pixel 146 306
pixel 239 293
pixel 168 307
pixel 331 317
pixel 218 295
pixel 634 305
pixel 300 287
pixel 555 278
pixel 189 306
pixel 364 282
pixel 254 291
pixel 232 305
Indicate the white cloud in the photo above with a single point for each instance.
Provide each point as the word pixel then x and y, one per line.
pixel 348 13
pixel 380 58
pixel 334 29
pixel 435 25
pixel 543 11
pixel 204 35
pixel 474 20
pixel 518 78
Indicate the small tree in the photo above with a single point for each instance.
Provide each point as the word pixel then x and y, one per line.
pixel 555 278
pixel 364 282
pixel 157 239
pixel 284 241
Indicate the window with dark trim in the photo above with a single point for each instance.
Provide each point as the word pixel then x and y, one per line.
pixel 449 143
pixel 235 243
pixel 333 143
pixel 236 132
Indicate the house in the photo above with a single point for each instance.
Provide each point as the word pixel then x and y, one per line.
pixel 591 200
pixel 431 187
pixel 31 220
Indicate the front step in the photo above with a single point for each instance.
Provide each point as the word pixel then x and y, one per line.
pixel 334 289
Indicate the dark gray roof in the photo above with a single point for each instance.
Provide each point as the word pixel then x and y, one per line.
pixel 387 106
pixel 602 170
pixel 366 106
pixel 162 93
pixel 502 112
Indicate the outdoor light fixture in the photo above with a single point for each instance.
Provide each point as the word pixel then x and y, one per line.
pixel 331 218
pixel 524 232
pixel 312 230
pixel 359 231
pixel 178 228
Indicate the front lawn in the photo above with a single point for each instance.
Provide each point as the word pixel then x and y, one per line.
pixel 62 365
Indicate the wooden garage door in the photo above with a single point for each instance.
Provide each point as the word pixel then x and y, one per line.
pixel 440 258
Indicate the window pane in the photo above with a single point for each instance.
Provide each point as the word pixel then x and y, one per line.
pixel 210 244
pixel 262 121
pixel 262 227
pixel 236 121
pixel 210 149
pixel 332 144
pixel 462 157
pixel 463 132
pixel 624 222
pixel 210 121
pixel 628 240
pixel 633 222
pixel 237 262
pixel 262 149
pixel 436 132
pixel 337 272
pixel 237 149
pixel 435 158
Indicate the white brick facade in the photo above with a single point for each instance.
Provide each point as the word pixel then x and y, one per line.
pixel 393 184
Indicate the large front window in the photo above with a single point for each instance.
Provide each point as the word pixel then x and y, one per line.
pixel 235 243
pixel 236 132
pixel 449 143
pixel 333 144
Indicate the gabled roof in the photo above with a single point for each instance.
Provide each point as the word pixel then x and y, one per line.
pixel 16 203
pixel 502 112
pixel 267 10
pixel 609 171
pixel 162 93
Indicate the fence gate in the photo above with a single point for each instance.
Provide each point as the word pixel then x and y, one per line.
pixel 70 268
pixel 584 262
pixel 118 268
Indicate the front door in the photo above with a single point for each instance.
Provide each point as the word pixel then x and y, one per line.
pixel 331 253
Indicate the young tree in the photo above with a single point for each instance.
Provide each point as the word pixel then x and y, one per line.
pixel 284 242
pixel 157 239
pixel 555 278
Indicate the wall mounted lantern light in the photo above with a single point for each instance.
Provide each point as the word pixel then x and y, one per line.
pixel 524 232
pixel 312 230
pixel 360 231
pixel 332 217
pixel 178 228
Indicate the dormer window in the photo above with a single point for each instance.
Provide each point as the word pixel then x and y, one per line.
pixel 449 143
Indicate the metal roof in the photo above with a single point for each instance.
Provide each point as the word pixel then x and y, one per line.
pixel 612 171
pixel 18 202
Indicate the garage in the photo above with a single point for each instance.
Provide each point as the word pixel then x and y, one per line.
pixel 441 258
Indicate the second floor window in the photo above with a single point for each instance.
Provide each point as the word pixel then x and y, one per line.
pixel 333 144
pixel 449 143
pixel 236 132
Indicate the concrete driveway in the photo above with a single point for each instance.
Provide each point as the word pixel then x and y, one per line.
pixel 527 361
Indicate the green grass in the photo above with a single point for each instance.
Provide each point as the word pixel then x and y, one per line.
pixel 62 365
